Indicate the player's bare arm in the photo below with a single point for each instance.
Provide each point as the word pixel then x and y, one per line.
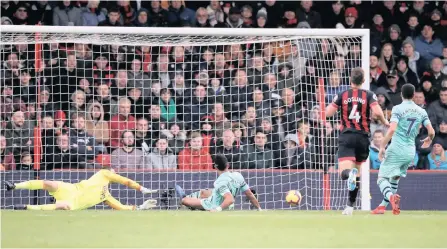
pixel 331 110
pixel 377 112
pixel 252 199
pixel 431 135
pixel 387 139
pixel 228 200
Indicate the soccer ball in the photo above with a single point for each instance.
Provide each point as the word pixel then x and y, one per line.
pixel 293 197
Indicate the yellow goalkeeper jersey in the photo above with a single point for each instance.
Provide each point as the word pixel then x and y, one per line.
pixel 92 191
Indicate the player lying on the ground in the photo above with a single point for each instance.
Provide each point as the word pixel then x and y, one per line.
pixel 226 187
pixel 201 194
pixel 406 119
pixel 356 105
pixel 84 194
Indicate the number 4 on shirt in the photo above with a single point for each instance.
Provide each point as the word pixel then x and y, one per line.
pixel 354 114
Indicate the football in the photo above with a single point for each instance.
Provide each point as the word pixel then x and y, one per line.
pixel 293 197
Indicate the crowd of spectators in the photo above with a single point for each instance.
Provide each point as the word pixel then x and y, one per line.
pixel 174 107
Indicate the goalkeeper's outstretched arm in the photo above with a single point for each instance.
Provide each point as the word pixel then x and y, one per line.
pixel 113 177
pixel 252 199
pixel 115 204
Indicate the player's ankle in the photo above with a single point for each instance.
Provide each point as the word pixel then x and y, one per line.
pixel 345 174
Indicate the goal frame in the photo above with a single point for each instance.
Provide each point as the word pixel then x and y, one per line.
pixel 363 33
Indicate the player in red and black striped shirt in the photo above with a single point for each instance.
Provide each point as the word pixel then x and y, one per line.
pixel 356 106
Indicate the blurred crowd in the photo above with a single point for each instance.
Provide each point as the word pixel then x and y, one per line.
pixel 174 107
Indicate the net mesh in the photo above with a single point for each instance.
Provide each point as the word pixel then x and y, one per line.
pixel 259 100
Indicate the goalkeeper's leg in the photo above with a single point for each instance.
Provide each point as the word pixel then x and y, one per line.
pixel 62 195
pixel 59 205
pixel 115 204
pixel 50 186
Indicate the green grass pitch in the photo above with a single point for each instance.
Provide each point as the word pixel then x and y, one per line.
pixel 110 229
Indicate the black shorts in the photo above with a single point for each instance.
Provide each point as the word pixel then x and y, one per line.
pixel 353 147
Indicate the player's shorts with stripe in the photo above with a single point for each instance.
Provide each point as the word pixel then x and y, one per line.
pixel 353 146
pixel 396 162
pixel 209 203
pixel 66 192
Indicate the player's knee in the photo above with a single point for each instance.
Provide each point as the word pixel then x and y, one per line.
pixel 185 201
pixel 205 193
pixel 380 180
pixel 63 206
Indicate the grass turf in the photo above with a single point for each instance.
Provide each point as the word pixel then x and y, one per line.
pixel 226 229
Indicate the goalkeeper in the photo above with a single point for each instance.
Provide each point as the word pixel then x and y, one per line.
pixel 226 187
pixel 84 194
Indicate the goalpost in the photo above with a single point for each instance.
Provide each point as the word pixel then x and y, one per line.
pixel 258 76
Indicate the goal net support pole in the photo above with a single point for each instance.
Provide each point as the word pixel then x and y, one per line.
pixel 201 37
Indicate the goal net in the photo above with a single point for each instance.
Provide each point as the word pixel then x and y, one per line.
pixel 157 104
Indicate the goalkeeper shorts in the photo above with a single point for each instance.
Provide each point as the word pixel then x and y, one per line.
pixel 66 192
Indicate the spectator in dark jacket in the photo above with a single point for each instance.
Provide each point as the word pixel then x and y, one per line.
pixel 437 24
pixel 41 12
pixel 260 156
pixel 227 146
pixel 158 17
pixel 378 77
pixel 438 77
pixel 63 155
pixel 290 19
pixel 7 161
pixel 66 14
pixel 128 13
pixel 384 100
pixel 305 13
pixel 406 73
pixel 21 16
pixel 419 99
pixel 431 93
pixel 234 20
pixel 334 16
pixel 81 141
pixel 294 155
pixel 176 137
pixel 247 15
pixel 19 134
pixel 198 106
pixel 180 16
pixel 412 29
pixel 391 13
pixel 437 111
pixel 351 20
pixel 113 18
pixel 393 87
pixel 143 136
pixel 394 39
pixel 8 8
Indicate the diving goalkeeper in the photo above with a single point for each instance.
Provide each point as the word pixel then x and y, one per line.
pixel 84 194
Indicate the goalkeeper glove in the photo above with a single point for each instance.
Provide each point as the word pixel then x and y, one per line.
pixel 147 204
pixel 147 191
